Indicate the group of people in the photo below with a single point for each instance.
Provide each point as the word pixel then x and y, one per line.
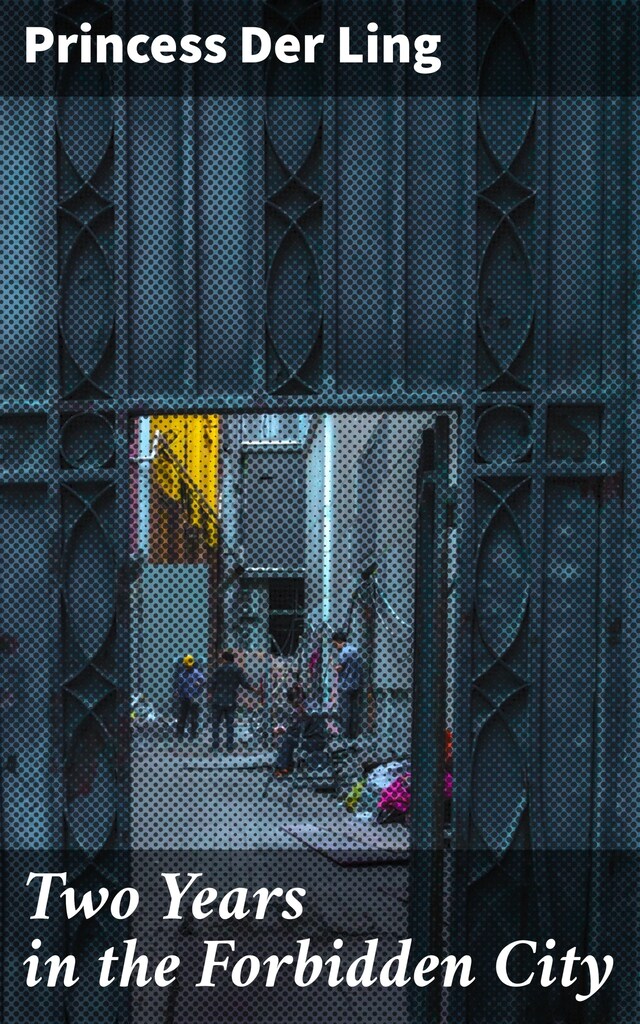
pixel 222 692
pixel 306 723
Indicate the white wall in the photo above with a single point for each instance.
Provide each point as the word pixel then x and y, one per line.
pixel 169 618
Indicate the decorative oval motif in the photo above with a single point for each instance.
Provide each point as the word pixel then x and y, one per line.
pixel 87 303
pixel 85 123
pixel 89 585
pixel 293 128
pixel 497 757
pixel 502 589
pixel 505 307
pixel 507 67
pixel 503 434
pixel 87 441
pixel 293 301
pixel 506 122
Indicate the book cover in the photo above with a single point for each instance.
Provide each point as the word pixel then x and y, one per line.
pixel 318 476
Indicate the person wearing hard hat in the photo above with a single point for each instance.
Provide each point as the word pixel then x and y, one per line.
pixel 190 683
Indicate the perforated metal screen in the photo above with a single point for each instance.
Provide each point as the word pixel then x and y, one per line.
pixel 347 268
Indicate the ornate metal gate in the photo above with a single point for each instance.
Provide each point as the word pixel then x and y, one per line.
pixel 248 254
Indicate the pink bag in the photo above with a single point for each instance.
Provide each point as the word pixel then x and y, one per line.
pixel 397 796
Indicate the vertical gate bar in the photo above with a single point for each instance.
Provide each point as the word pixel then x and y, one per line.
pixel 189 191
pixel 397 356
pixel 430 645
pixel 536 669
pixel 189 169
pixel 112 410
pixel 500 440
pixel 293 328
pixel 331 121
pixel 627 838
pixel 93 470
pixel 429 709
pixel 122 752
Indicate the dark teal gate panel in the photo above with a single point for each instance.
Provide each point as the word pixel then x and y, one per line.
pixel 437 276
pixel 255 254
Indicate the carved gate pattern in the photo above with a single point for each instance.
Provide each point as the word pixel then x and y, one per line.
pixel 538 383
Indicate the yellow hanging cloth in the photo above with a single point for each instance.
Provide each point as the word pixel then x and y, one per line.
pixel 194 442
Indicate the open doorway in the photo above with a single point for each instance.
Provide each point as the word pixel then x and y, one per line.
pixel 294 545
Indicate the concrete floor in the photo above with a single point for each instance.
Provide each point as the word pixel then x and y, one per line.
pixel 214 816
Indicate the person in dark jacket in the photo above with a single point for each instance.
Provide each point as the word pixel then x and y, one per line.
pixel 190 683
pixel 305 726
pixel 223 688
pixel 348 666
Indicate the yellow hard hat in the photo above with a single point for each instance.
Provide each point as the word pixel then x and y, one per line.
pixel 189 660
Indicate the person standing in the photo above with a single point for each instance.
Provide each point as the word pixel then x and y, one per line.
pixel 304 726
pixel 190 683
pixel 350 675
pixel 223 691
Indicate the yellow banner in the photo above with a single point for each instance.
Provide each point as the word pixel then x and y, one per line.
pixel 194 441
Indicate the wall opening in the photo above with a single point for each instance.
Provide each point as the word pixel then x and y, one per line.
pixel 298 544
